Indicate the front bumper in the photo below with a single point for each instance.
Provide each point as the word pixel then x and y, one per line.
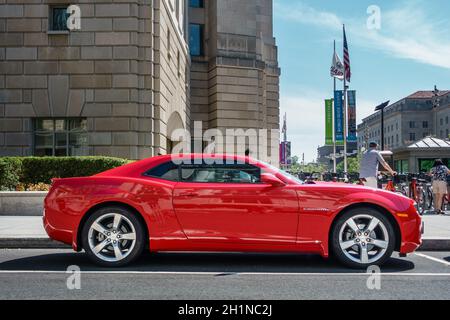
pixel 412 230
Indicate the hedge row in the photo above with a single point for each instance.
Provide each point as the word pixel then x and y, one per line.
pixel 10 171
pixel 35 170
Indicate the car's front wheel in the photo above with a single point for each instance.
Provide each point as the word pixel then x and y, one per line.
pixel 363 237
pixel 113 237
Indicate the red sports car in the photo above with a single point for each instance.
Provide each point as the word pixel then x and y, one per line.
pixel 226 204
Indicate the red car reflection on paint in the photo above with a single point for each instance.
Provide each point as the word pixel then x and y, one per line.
pixel 226 204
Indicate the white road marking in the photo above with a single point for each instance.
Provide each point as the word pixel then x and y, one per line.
pixel 433 259
pixel 225 273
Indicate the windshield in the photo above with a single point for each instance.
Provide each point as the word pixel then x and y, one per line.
pixel 288 176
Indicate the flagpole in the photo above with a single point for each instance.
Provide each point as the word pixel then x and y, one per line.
pixel 345 119
pixel 334 123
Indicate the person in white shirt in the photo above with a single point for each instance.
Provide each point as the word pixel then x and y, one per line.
pixel 370 162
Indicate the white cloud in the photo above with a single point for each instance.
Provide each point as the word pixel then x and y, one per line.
pixel 308 15
pixel 407 31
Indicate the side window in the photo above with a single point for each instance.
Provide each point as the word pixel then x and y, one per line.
pixel 166 171
pixel 221 174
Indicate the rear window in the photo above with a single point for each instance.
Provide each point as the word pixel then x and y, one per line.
pixel 166 171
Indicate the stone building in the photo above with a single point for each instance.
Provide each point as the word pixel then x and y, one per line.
pixel 325 154
pixel 410 124
pixel 115 87
pixel 408 120
pixel 234 69
pixel 122 83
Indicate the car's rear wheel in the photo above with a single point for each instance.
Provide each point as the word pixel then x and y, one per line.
pixel 363 237
pixel 113 237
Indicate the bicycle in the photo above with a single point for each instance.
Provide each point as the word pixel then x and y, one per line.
pixel 446 203
pixel 402 184
pixel 418 193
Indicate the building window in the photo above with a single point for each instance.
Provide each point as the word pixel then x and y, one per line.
pixel 425 124
pixel 402 166
pixel 412 136
pixel 412 124
pixel 196 39
pixel 442 121
pixel 58 18
pixel 178 64
pixel 60 137
pixel 169 44
pixel 196 3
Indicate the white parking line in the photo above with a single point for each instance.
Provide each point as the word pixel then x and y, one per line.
pixel 433 259
pixel 226 273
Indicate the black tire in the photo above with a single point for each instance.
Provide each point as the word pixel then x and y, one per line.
pixel 139 237
pixel 338 252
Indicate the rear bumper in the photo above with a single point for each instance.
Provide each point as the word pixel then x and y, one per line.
pixel 54 233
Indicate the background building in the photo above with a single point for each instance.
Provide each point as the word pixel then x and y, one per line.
pixel 420 156
pixel 325 154
pixel 408 126
pixel 234 71
pixel 408 120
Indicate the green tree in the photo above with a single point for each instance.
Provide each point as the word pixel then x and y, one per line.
pixel 353 165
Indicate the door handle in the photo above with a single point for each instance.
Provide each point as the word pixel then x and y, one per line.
pixel 188 194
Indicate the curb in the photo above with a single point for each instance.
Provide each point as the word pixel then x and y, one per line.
pixel 435 245
pixel 31 243
pixel 46 243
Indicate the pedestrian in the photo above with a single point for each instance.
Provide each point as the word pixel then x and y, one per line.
pixel 371 159
pixel 439 173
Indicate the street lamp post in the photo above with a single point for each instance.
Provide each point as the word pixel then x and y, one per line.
pixel 381 108
pixel 436 104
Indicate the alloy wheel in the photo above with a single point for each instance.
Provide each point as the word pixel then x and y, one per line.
pixel 364 239
pixel 112 237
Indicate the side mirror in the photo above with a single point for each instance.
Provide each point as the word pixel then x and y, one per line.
pixel 269 178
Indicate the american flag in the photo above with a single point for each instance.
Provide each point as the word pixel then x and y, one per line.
pixel 348 72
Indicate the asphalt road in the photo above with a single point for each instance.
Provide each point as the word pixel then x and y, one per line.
pixel 41 274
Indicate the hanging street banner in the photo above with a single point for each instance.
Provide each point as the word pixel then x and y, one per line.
pixel 352 135
pixel 339 116
pixel 285 153
pixel 329 122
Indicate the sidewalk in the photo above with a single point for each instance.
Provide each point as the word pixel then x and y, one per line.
pixel 28 232
pixel 24 233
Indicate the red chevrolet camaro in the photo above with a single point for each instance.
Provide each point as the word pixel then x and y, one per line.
pixel 226 204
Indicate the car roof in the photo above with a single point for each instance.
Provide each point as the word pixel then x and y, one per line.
pixel 139 167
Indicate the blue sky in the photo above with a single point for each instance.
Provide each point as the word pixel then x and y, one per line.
pixel 410 52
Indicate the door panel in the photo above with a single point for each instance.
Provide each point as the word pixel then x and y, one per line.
pixel 240 213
